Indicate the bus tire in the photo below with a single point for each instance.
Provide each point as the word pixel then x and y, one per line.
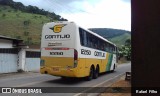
pixel 96 72
pixel 90 77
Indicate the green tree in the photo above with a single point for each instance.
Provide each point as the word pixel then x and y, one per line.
pixel 125 50
pixel 128 42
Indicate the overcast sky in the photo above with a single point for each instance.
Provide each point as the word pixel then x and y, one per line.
pixel 89 13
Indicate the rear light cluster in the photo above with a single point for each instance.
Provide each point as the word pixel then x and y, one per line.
pixel 75 58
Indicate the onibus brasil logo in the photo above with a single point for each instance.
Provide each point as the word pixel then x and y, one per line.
pixel 57 28
pixel 19 90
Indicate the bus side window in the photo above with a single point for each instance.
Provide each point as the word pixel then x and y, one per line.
pixel 81 36
pixel 88 40
pixel 91 40
pixel 114 49
pixel 107 47
pixel 111 49
pixel 85 38
pixel 103 46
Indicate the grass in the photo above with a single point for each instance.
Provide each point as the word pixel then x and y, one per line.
pixel 120 40
pixel 12 24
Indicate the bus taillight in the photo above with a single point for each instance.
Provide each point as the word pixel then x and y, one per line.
pixel 75 58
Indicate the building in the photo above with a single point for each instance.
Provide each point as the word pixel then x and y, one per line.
pixel 16 56
pixel 7 42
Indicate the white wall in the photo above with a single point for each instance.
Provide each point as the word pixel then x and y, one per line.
pixel 28 64
pixel 5 43
pixel 32 64
pixel 8 63
pixel 21 59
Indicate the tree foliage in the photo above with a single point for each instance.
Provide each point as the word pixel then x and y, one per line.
pixel 126 50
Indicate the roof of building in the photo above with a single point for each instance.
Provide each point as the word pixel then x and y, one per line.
pixel 9 38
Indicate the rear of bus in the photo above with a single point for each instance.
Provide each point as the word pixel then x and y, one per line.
pixel 58 49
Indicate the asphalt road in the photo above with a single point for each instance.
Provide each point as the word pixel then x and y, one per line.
pixel 42 80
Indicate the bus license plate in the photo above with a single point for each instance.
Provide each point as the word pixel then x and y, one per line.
pixel 55 69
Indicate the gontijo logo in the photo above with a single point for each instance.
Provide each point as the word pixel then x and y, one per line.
pixel 57 28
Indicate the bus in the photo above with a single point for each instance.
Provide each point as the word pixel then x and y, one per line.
pixel 68 50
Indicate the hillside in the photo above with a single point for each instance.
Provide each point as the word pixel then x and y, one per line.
pixel 24 22
pixel 28 26
pixel 120 40
pixel 21 25
pixel 108 32
pixel 116 36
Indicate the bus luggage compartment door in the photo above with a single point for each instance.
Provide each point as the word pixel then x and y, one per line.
pixel 60 57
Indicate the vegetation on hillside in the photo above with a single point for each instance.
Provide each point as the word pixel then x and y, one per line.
pixel 120 39
pixel 24 22
pixel 21 25
pixel 108 32
pixel 31 9
pixel 125 50
pixel 116 36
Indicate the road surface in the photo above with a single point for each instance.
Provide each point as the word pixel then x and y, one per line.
pixel 43 80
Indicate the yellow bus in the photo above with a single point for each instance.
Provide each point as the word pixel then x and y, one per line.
pixel 68 50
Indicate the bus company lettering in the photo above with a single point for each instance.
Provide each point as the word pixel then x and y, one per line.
pixel 57 36
pixel 100 54
pixel 56 53
pixel 85 52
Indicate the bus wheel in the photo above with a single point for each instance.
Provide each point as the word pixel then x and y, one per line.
pixel 96 73
pixel 90 74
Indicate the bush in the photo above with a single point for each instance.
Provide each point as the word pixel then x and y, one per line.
pixel 4 15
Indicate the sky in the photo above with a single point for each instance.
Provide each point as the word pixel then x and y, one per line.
pixel 89 13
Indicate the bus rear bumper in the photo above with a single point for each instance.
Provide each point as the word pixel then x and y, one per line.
pixel 57 71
